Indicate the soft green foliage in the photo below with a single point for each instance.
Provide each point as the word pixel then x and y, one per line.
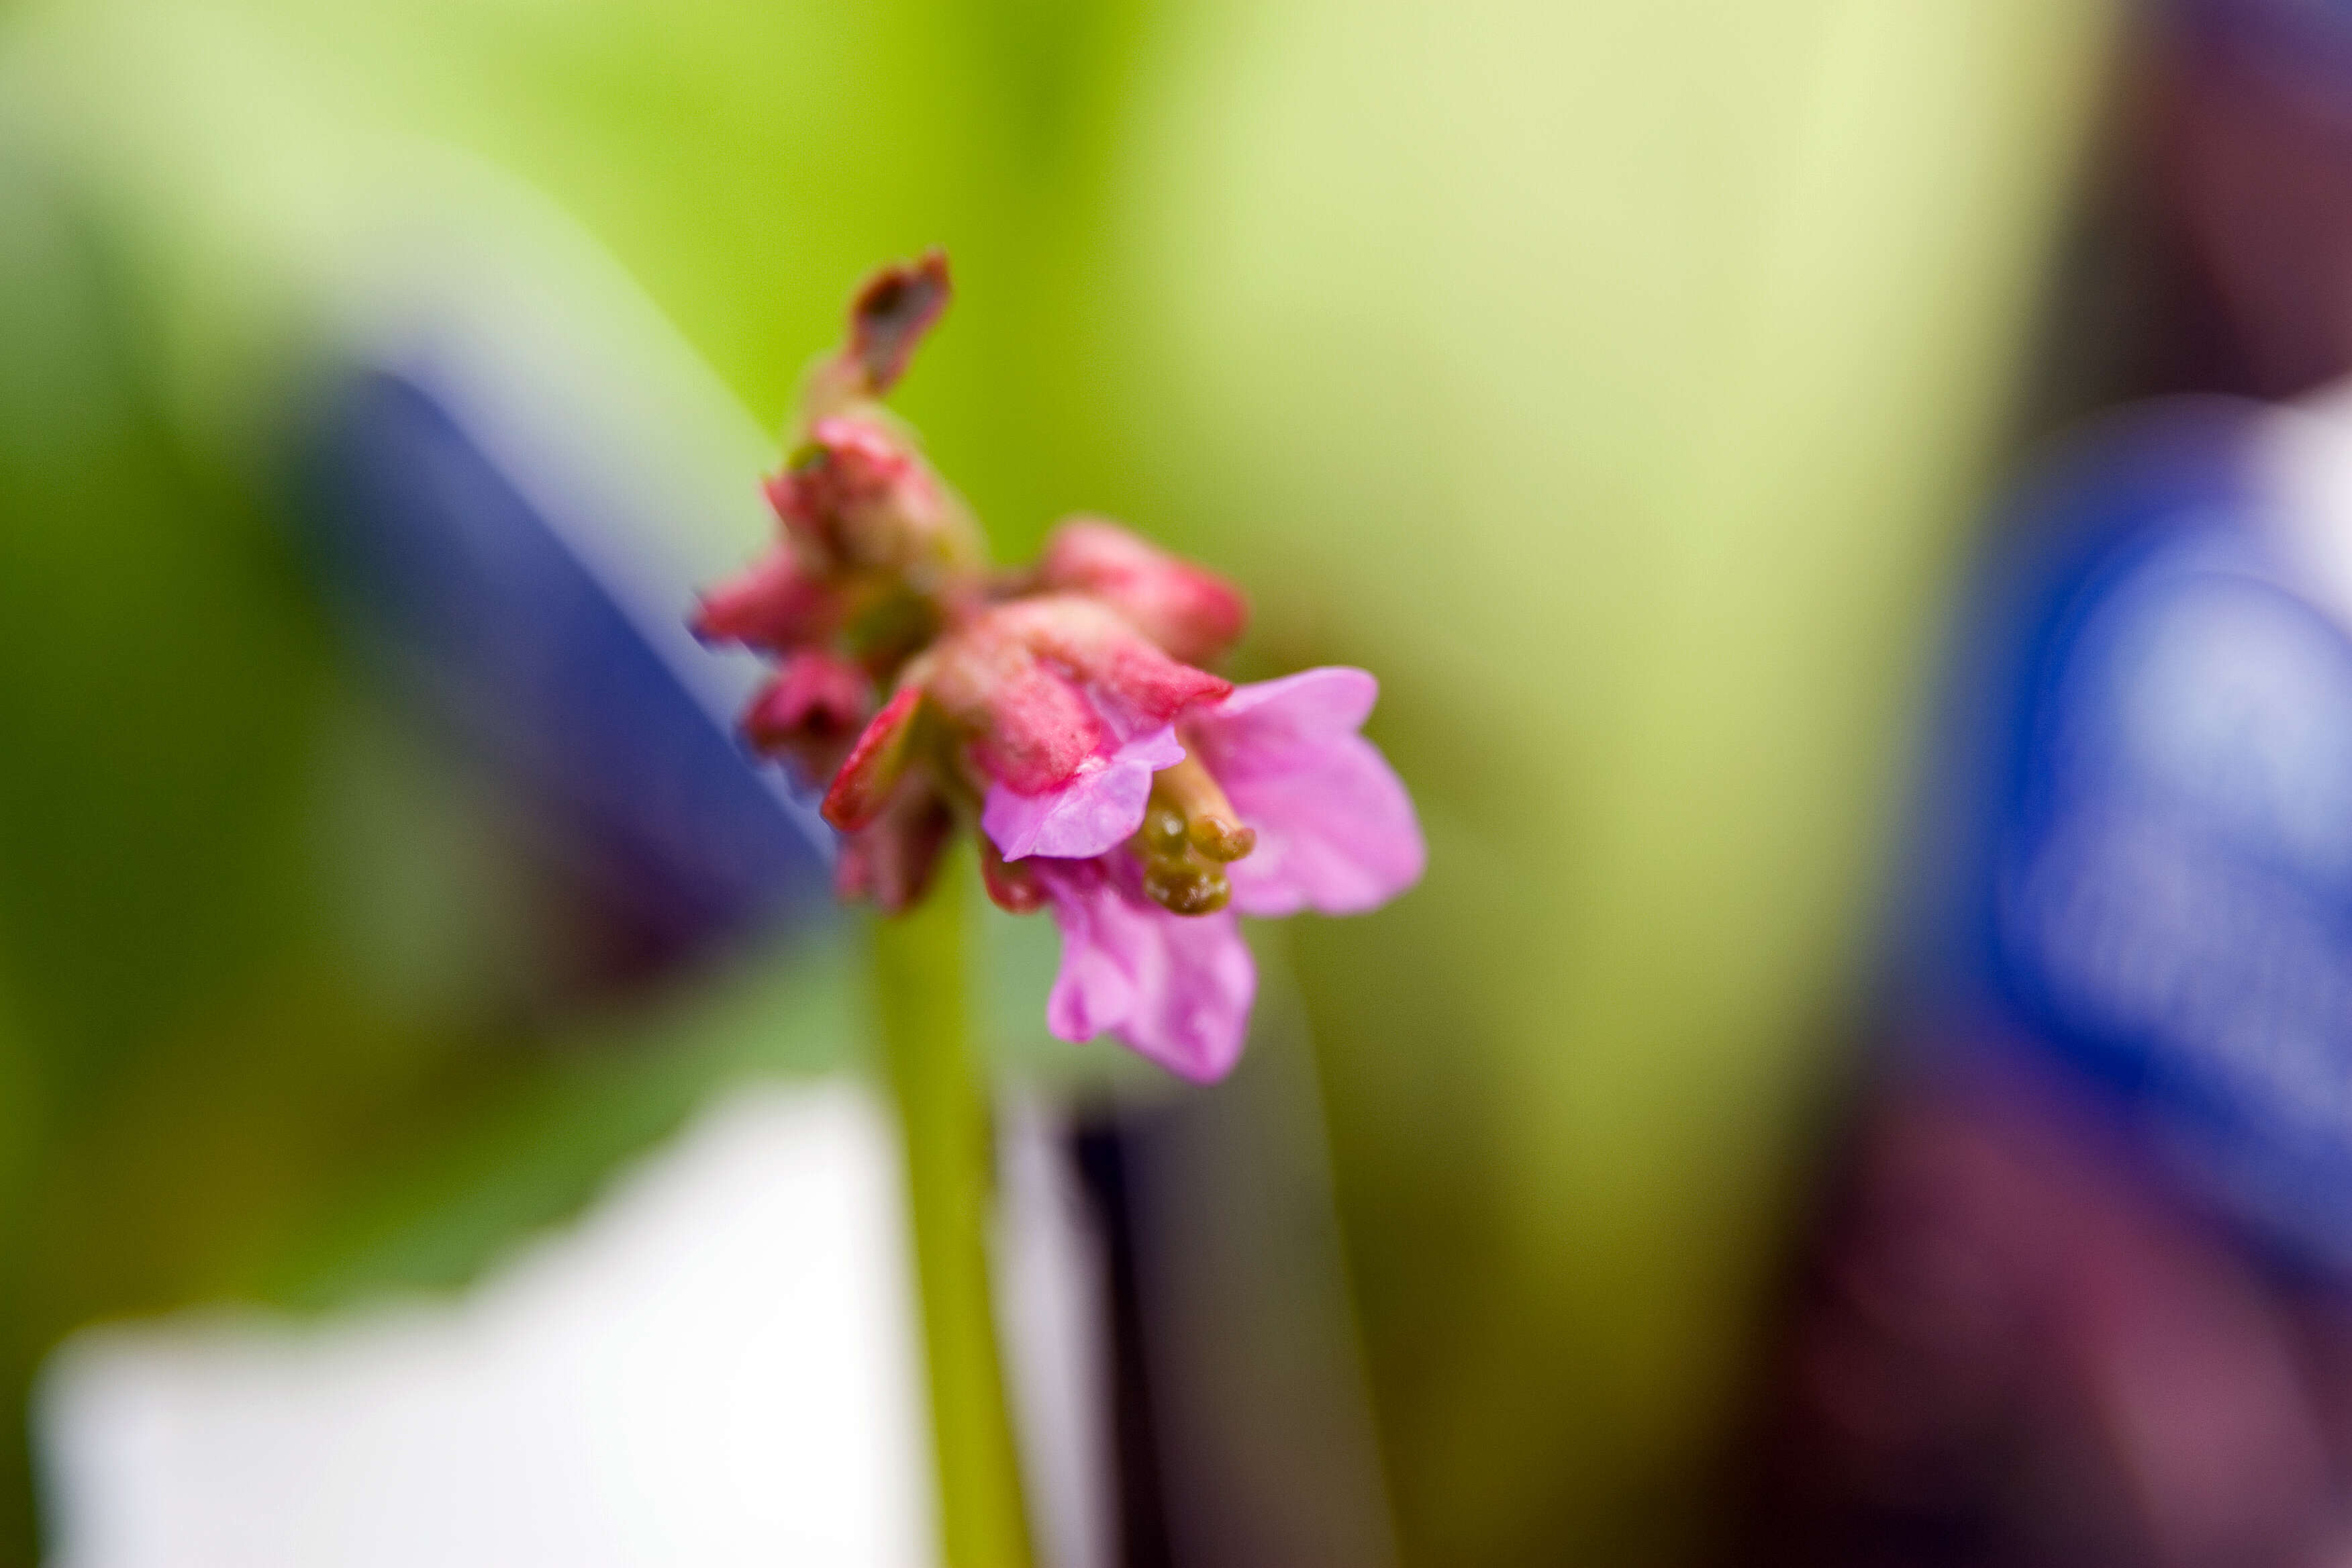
pixel 1613 379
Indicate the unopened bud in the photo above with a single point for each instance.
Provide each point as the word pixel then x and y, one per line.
pixel 1192 613
pixel 815 696
pixel 892 311
pixel 1095 646
pixel 1030 728
pixel 777 604
pixel 857 495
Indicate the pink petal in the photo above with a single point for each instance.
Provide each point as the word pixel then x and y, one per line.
pixel 1176 989
pixel 1336 830
pixel 1097 809
pixel 1095 989
pixel 1335 833
pixel 1258 722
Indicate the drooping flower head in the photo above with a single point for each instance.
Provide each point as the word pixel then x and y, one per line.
pixel 1061 711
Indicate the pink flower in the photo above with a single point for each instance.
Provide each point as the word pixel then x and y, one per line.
pixel 1335 830
pixel 1143 800
pixel 1176 988
pixel 1323 823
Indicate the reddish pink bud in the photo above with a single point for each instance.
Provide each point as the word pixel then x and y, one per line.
pixel 891 315
pixel 848 468
pixel 1191 613
pixel 816 695
pixel 892 860
pixel 776 604
pixel 863 785
pixel 856 494
pixel 1030 727
pixel 1139 685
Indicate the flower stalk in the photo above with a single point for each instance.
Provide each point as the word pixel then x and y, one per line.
pixel 944 1124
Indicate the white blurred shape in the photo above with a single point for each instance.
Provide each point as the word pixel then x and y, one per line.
pixel 1052 1305
pixel 717 1365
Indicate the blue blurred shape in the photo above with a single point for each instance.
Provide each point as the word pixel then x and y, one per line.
pixel 2137 859
pixel 486 612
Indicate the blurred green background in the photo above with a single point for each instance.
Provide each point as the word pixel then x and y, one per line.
pixel 1616 381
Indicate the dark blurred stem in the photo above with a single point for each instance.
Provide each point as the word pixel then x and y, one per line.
pixel 944 1114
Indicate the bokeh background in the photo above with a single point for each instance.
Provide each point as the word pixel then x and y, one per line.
pixel 1620 382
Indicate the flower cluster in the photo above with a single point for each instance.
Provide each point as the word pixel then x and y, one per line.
pixel 1062 708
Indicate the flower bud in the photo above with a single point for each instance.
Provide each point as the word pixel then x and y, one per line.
pixel 810 711
pixel 1041 686
pixel 1030 728
pixel 1137 684
pixel 777 604
pixel 1192 613
pixel 856 496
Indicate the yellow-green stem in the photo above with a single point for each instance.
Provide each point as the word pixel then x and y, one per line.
pixel 944 1117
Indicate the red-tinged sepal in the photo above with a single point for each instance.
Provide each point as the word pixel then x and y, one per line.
pixel 876 763
pixel 891 862
pixel 893 313
pixel 776 604
pixel 894 310
pixel 1192 613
